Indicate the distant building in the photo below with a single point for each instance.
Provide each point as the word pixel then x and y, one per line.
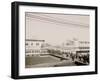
pixel 83 47
pixel 69 46
pixel 34 47
pixel 73 46
pixel 40 47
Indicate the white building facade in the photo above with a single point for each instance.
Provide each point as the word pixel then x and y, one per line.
pixel 34 47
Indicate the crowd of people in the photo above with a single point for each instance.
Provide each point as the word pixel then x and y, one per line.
pixel 83 58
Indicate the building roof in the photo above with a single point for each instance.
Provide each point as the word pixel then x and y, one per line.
pixel 34 40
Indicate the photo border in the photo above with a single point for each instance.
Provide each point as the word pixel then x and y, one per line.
pixel 15 39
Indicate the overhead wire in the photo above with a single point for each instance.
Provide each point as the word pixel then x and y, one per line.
pixel 51 19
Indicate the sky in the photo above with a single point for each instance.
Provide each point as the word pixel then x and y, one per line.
pixel 57 28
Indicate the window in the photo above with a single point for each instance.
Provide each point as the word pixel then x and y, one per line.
pixel 26 44
pixel 32 44
pixel 28 51
pixel 37 44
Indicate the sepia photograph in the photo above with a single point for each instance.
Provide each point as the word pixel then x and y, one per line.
pixel 50 40
pixel 56 40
